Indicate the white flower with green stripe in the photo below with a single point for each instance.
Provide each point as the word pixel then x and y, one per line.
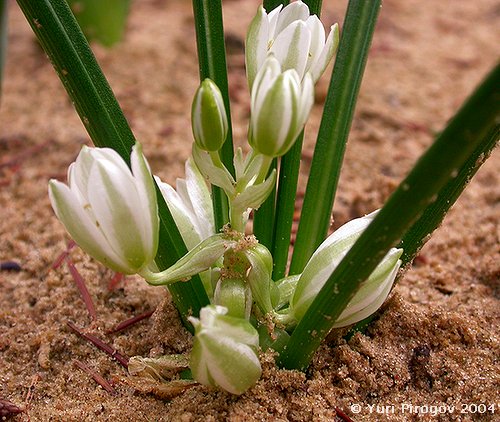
pixel 280 105
pixel 109 209
pixel 296 38
pixel 326 258
pixel 224 351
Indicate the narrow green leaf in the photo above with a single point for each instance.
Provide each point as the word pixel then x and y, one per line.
pixel 212 61
pixel 357 32
pixel 418 234
pixel 454 147
pixel 285 207
pixel 61 37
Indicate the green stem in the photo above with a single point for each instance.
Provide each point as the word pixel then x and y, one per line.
pixel 212 62
pixel 263 218
pixel 357 32
pixel 285 207
pixel 467 131
pixel 66 46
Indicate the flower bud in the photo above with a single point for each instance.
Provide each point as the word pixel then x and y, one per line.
pixel 264 290
pixel 235 295
pixel 208 117
pixel 280 106
pixel 295 37
pixel 224 351
pixel 372 292
pixel 108 209
pixel 191 205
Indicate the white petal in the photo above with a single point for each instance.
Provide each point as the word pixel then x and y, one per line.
pixel 327 53
pixel 200 199
pixel 306 100
pixel 263 82
pixel 83 230
pixel 256 44
pixel 293 12
pixel 116 205
pixel 317 40
pixel 323 262
pixel 349 317
pixel 183 215
pixel 291 47
pixel 147 199
pixel 272 17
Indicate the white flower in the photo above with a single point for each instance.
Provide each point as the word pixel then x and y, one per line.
pixel 280 106
pixel 108 209
pixel 325 259
pixel 208 117
pixel 295 37
pixel 224 351
pixel 191 205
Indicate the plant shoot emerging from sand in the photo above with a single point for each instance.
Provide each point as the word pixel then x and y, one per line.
pixel 341 279
pixel 104 197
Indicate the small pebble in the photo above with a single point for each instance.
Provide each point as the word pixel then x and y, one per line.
pixel 10 266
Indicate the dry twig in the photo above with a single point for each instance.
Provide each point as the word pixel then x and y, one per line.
pixel 98 378
pixel 123 360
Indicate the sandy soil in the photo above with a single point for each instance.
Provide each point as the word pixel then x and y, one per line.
pixel 435 342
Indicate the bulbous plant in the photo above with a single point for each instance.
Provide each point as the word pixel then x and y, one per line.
pixel 223 278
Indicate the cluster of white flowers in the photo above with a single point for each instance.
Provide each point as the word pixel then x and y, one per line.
pixel 111 210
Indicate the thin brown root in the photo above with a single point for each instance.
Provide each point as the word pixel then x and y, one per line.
pixel 131 321
pixel 123 360
pixel 82 287
pixel 340 413
pixel 60 259
pixel 98 378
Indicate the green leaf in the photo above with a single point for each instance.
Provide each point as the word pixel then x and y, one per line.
pixel 357 32
pixel 418 234
pixel 285 207
pixel 63 41
pixel 470 129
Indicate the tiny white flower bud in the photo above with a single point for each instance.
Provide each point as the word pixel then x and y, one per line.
pixel 280 106
pixel 208 117
pixel 109 209
pixel 224 351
